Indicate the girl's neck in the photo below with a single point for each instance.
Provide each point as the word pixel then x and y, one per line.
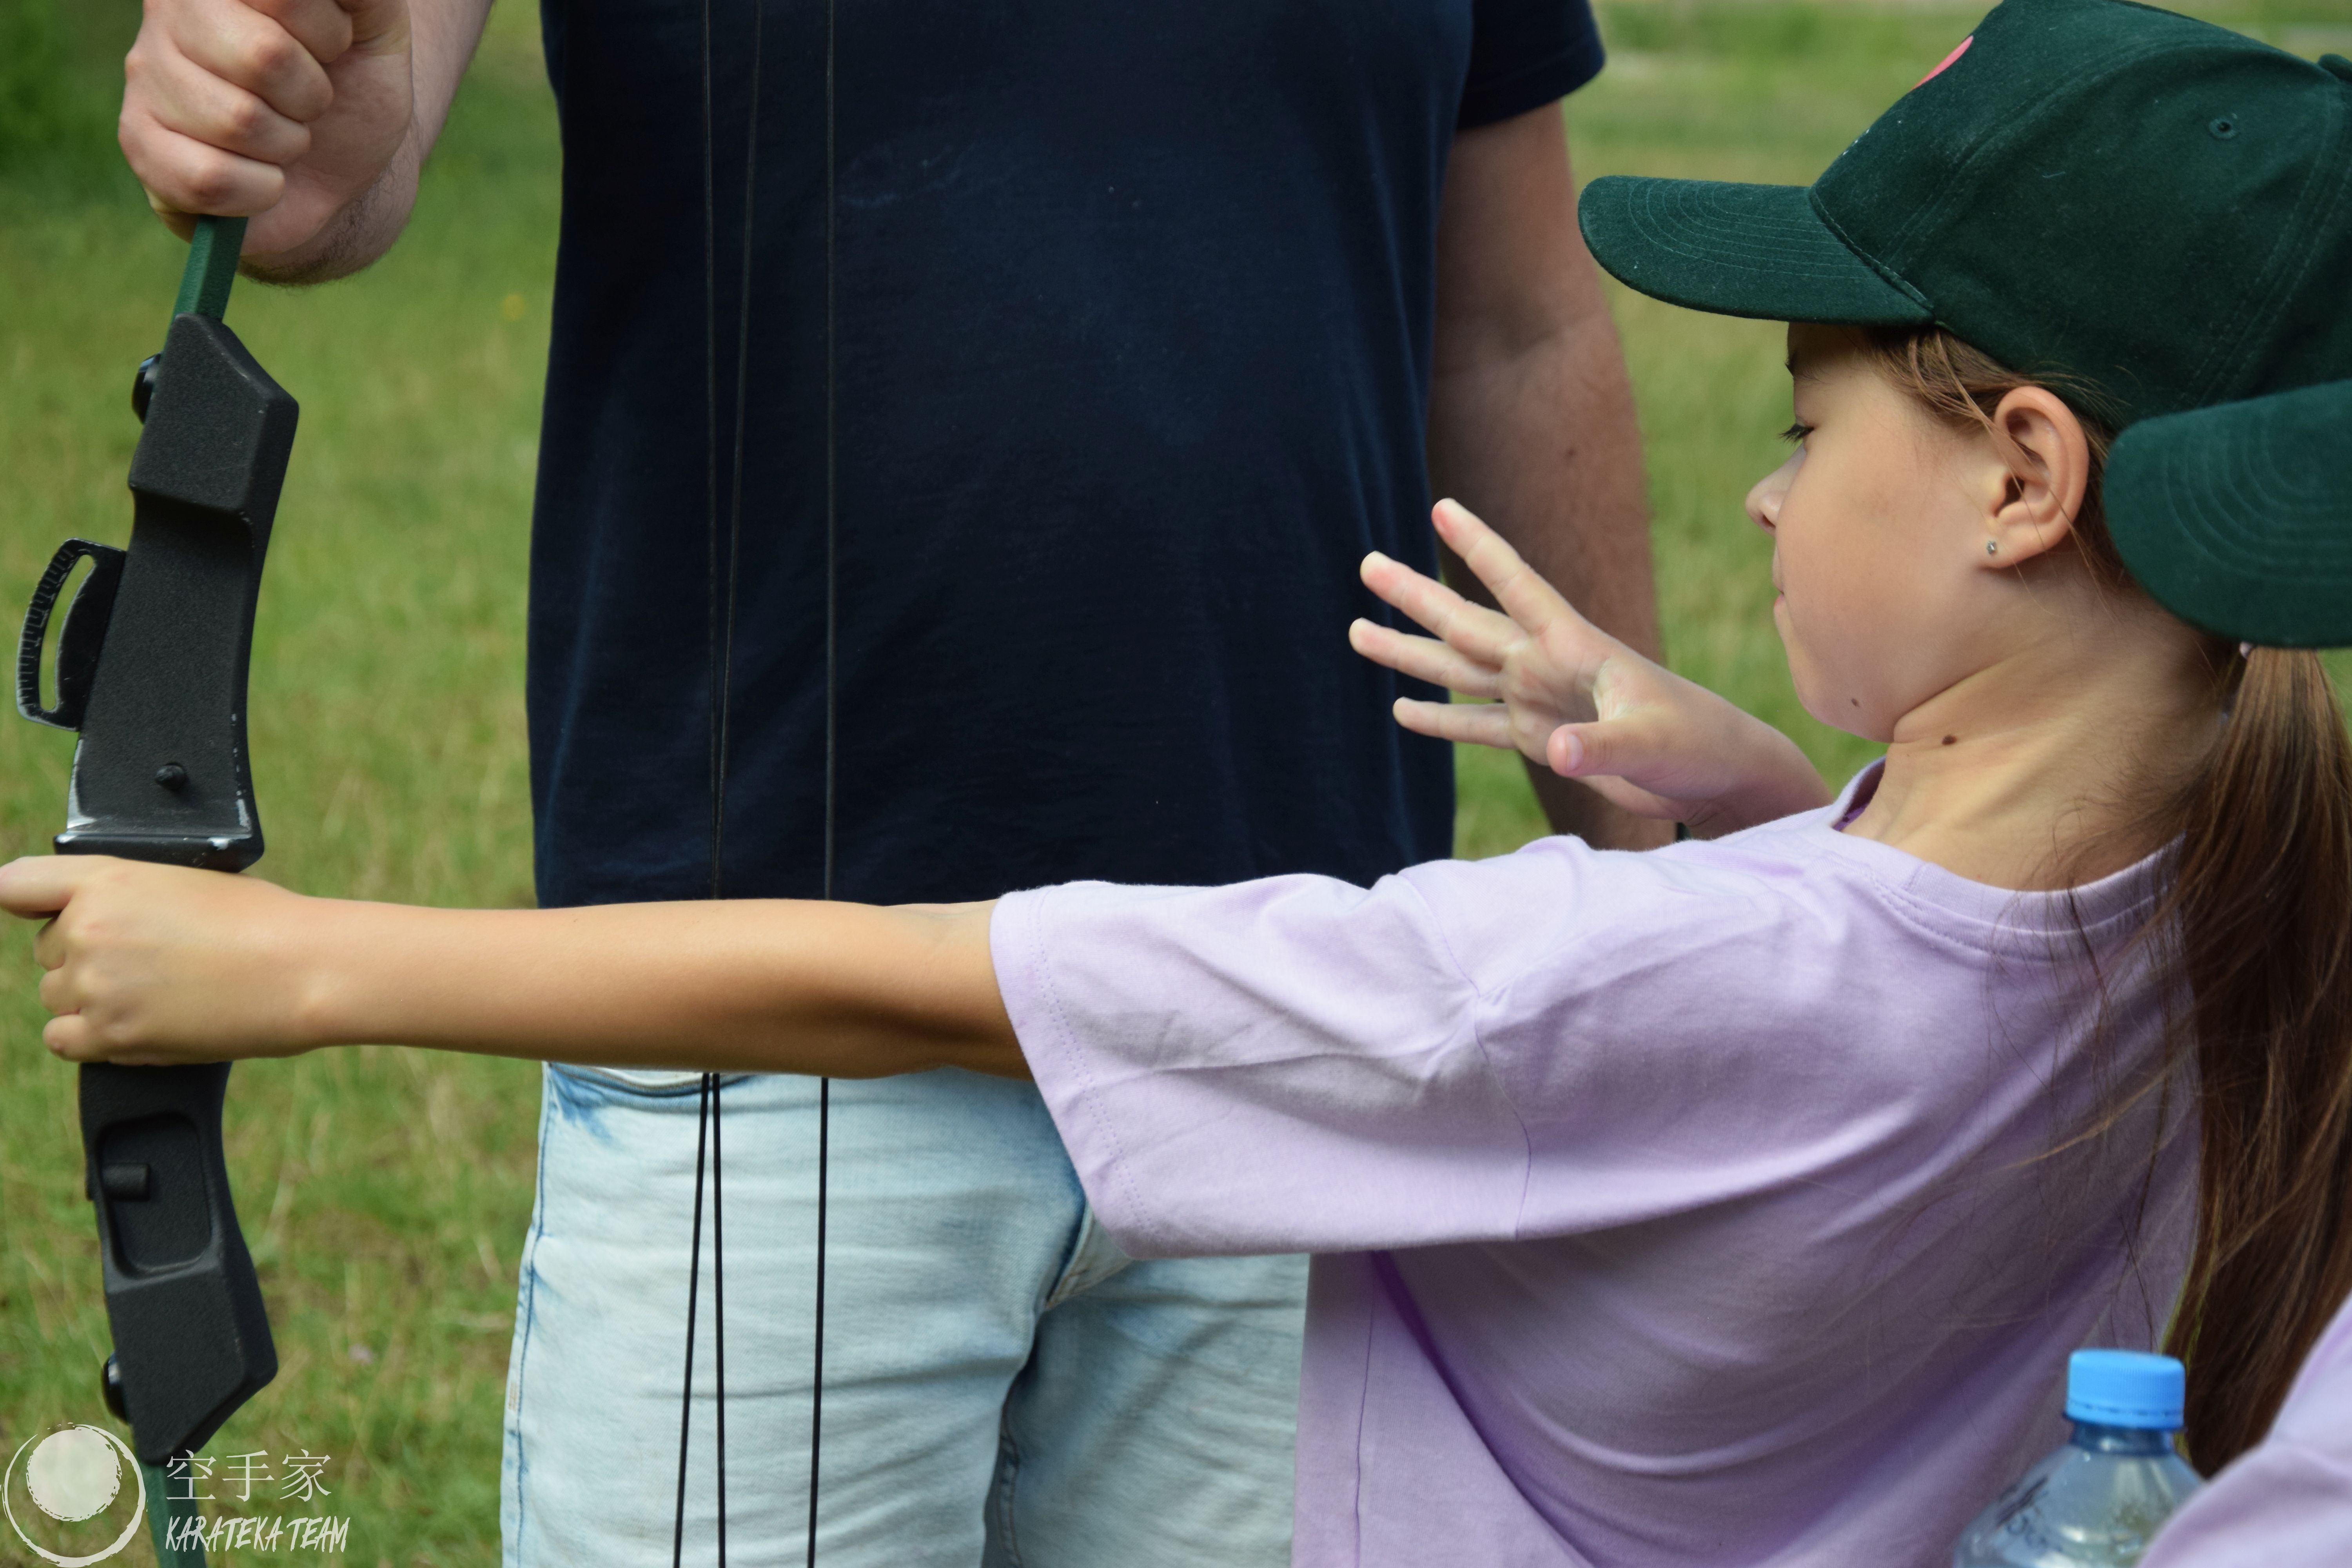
pixel 2040 771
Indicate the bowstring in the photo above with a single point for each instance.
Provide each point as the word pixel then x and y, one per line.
pixel 710 506
pixel 831 708
pixel 693 1281
pixel 721 620
pixel 721 712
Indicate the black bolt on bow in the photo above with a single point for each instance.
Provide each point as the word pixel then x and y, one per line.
pixel 152 673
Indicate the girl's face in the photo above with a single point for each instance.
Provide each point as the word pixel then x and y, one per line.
pixel 1876 537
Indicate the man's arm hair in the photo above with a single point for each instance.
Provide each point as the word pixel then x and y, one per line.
pixel 1532 414
pixel 446 34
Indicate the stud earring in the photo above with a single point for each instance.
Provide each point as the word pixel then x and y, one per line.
pixel 1992 547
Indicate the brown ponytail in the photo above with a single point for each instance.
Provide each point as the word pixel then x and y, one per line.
pixel 2262 912
pixel 2258 922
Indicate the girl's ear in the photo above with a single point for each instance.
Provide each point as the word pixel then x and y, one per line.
pixel 2048 458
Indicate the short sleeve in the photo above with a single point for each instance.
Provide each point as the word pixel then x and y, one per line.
pixel 1289 1065
pixel 1524 54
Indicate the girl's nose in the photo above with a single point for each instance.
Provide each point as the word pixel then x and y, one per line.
pixel 1765 498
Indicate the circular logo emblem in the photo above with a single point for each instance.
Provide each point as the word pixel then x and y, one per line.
pixel 71 1478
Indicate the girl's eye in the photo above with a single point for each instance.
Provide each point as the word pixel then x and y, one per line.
pixel 1795 435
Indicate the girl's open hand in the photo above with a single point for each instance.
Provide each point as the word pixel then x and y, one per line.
pixel 151 965
pixel 1575 699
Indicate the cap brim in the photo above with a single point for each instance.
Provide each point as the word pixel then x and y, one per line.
pixel 1736 250
pixel 2238 517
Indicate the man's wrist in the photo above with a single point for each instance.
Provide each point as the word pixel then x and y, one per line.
pixel 358 234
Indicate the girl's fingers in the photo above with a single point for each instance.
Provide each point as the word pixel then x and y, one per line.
pixel 57 994
pixel 38 886
pixel 1473 629
pixel 1475 723
pixel 1601 748
pixel 1535 604
pixel 71 1038
pixel 1423 658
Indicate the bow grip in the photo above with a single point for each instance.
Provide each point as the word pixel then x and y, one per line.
pixel 160 772
pixel 191 1334
pixel 80 641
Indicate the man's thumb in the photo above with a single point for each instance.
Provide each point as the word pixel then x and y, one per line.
pixel 378 27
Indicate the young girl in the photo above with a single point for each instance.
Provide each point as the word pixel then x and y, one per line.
pixel 1736 1203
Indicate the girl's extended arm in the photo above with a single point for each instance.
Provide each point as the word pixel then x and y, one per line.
pixel 157 964
pixel 1575 699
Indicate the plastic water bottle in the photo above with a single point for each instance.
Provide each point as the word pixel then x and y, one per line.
pixel 2097 1502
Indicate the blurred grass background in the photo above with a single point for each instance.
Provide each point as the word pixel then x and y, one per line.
pixel 385 1193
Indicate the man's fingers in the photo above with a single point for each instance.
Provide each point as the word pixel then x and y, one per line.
pixel 185 175
pixel 1472 629
pixel 184 95
pixel 324 28
pixel 232 42
pixel 376 25
pixel 1423 658
pixel 1475 723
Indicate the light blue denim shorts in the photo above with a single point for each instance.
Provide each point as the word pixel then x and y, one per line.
pixel 1003 1386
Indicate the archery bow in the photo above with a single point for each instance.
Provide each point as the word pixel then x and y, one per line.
pixel 152 662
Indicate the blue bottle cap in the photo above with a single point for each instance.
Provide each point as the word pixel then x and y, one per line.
pixel 2124 1388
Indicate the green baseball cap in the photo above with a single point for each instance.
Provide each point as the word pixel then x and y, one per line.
pixel 2153 212
pixel 2239 517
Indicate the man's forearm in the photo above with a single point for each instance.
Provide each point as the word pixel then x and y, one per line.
pixel 1546 446
pixel 1531 420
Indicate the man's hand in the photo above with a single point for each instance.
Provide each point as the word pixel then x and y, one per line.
pixel 286 111
pixel 152 965
pixel 1575 699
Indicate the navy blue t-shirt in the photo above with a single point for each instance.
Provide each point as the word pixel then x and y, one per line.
pixel 1131 311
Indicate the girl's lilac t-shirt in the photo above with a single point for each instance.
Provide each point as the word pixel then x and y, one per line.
pixel 1712 1205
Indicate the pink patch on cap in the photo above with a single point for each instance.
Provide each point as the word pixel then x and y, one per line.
pixel 1946 63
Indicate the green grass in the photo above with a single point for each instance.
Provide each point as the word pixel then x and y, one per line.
pixel 387 1194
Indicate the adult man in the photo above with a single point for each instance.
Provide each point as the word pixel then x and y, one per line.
pixel 962 425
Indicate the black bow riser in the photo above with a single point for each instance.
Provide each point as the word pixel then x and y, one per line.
pixel 191 1335
pixel 153 661
pixel 160 772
